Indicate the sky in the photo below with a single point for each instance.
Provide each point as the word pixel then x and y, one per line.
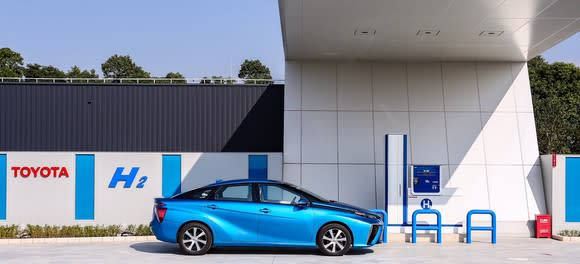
pixel 195 37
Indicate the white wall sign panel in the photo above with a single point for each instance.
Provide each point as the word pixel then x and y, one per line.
pixel 126 202
pixel 318 86
pixel 380 187
pixel 274 165
pixel 319 137
pixel 507 193
pixel 36 195
pixel 429 144
pixel 425 87
pixel 292 86
pixel 460 87
pixel 469 182
pixel 291 173
pixel 354 184
pixel 354 90
pixel 534 190
pixel 292 136
pixel 391 123
pixel 528 139
pixel 465 138
pixel 355 137
pixel 502 142
pixel 200 169
pixel 521 87
pixel 321 179
pixel 390 87
pixel 467 189
pixel 495 81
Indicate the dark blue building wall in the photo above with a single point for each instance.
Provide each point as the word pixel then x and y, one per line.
pixel 141 118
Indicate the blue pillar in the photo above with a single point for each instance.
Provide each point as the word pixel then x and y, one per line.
pixel 572 195
pixel 258 167
pixel 3 178
pixel 85 187
pixel 171 175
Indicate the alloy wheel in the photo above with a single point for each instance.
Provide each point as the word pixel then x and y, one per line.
pixel 194 239
pixel 334 240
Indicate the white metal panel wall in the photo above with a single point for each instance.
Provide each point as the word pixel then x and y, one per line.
pixel 121 205
pixel 474 119
pixel 51 200
pixel 199 169
pixel 40 200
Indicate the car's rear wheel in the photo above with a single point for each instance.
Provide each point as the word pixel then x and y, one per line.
pixel 194 239
pixel 334 240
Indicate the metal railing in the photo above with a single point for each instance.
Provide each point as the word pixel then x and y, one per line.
pixel 141 80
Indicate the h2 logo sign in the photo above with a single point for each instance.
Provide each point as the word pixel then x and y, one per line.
pixel 127 178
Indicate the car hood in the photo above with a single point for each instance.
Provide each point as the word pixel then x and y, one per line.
pixel 343 207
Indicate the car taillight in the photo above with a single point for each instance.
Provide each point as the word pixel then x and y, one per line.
pixel 160 211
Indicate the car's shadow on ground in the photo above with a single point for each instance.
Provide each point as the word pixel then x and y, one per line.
pixel 166 248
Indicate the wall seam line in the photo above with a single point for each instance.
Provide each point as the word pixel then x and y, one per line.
pixel 445 124
pixel 483 135
pixel 520 140
pixel 373 127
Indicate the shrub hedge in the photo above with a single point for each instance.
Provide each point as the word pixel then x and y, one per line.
pixel 46 231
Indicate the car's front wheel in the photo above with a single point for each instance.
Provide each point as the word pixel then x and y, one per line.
pixel 334 240
pixel 194 239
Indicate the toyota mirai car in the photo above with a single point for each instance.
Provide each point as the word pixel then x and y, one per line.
pixel 262 213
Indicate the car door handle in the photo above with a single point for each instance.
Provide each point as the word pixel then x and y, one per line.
pixel 212 206
pixel 265 210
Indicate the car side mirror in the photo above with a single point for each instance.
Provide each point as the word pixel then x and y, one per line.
pixel 302 202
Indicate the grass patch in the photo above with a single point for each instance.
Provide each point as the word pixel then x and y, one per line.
pixel 46 231
pixel 10 231
pixel 570 233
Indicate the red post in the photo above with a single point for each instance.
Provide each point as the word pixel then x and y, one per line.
pixel 554 160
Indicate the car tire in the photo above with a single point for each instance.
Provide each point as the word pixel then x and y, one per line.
pixel 194 239
pixel 334 240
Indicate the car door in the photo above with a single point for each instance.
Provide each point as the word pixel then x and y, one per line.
pixel 234 215
pixel 280 221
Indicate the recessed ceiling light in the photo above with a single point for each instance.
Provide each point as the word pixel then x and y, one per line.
pixel 428 32
pixel 491 33
pixel 367 32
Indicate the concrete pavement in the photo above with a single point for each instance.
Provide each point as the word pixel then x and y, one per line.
pixel 508 250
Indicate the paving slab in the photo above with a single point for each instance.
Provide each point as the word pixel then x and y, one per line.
pixel 508 250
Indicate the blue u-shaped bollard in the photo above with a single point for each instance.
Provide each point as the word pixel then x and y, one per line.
pixel 436 227
pixel 492 228
pixel 385 222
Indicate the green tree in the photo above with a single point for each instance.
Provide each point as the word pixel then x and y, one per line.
pixel 254 69
pixel 35 70
pixel 556 96
pixel 176 77
pixel 122 67
pixel 76 72
pixel 11 63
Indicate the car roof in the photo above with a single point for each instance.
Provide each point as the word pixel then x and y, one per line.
pixel 242 181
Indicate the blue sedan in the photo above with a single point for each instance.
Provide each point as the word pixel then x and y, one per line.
pixel 248 213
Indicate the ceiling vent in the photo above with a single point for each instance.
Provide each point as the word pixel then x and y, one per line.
pixel 491 33
pixel 365 33
pixel 428 33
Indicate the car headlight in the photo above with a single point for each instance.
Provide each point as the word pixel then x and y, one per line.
pixel 371 216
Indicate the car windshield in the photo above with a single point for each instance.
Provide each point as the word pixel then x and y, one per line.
pixel 307 192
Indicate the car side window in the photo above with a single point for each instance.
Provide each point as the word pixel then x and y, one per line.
pixel 197 194
pixel 234 193
pixel 277 194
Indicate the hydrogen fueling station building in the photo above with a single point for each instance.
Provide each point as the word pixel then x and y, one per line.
pixel 395 105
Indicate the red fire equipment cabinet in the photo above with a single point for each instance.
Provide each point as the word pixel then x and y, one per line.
pixel 543 226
